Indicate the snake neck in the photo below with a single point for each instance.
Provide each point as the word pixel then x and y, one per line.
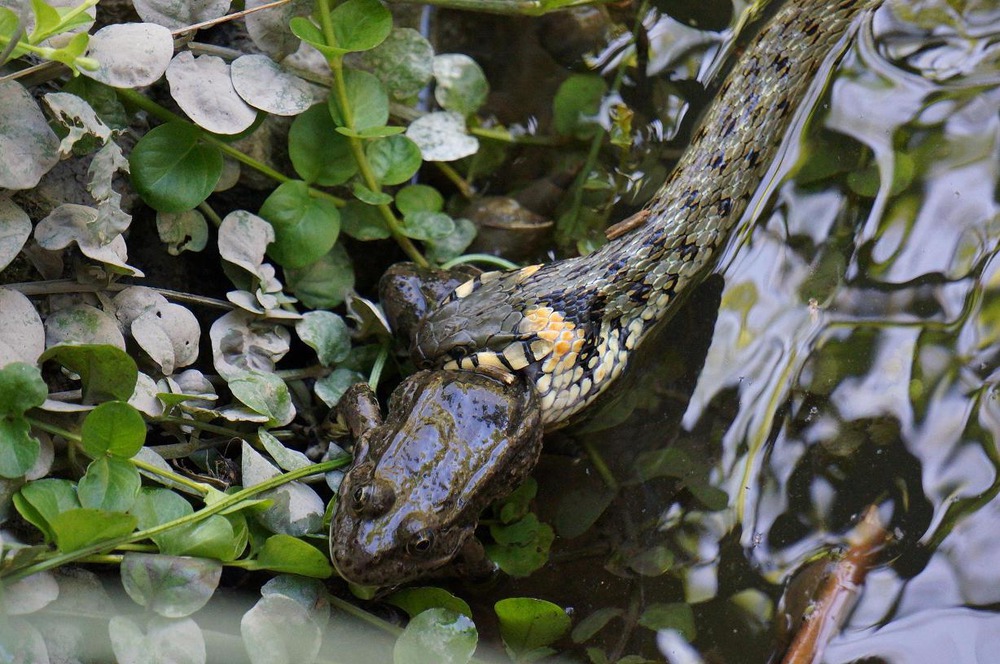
pixel 570 326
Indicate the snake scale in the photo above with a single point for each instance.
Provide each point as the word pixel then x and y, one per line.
pixel 570 326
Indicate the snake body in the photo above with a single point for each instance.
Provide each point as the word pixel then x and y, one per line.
pixel 570 326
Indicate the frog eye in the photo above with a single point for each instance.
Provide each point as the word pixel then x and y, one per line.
pixel 362 496
pixel 420 543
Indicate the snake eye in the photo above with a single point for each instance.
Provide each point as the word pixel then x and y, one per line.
pixel 420 543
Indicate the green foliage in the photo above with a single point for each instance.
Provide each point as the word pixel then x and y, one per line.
pixel 21 388
pixel 172 169
pixel 530 626
pixel 107 372
pixel 436 635
pixel 305 228
pixel 113 428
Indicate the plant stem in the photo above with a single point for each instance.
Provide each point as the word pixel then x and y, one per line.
pixel 198 487
pixel 489 259
pixel 222 505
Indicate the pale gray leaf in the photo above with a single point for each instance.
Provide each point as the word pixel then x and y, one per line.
pixel 310 593
pixel 29 146
pixel 203 88
pixel 279 630
pixel 286 459
pixel 269 28
pixel 15 228
pixel 182 231
pixel 174 14
pixel 327 334
pixel 106 164
pixel 77 116
pixel 442 136
pixel 266 85
pixel 461 84
pixel 144 397
pixel 82 324
pixel 29 595
pixel 131 55
pixel 243 239
pixel 22 336
pixel 242 343
pixel 70 223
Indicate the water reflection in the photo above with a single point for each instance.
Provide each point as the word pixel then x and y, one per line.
pixel 858 331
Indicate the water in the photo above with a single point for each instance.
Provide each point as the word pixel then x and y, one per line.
pixel 853 363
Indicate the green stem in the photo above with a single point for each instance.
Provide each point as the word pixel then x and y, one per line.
pixel 198 487
pixel 165 115
pixel 225 504
pixel 195 424
pixel 505 136
pixel 510 7
pixel 489 259
pixel 336 63
pixel 377 367
pixel 601 467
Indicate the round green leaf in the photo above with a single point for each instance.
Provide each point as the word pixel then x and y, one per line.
pixel 325 283
pixel 21 388
pixel 363 222
pixel 171 586
pixel 436 636
pixel 107 372
pixel 404 62
pixel 452 245
pixel 419 198
pixel 678 616
pixel 172 170
pixel 78 528
pixel 305 228
pixel 42 500
pixel 367 99
pixel 18 449
pixel 417 600
pixel 109 484
pixel 318 153
pixel 327 334
pixel 428 225
pixel 576 102
pixel 394 159
pixel 284 553
pixel 527 623
pixel 359 25
pixel 461 84
pixel 114 428
pixel 266 394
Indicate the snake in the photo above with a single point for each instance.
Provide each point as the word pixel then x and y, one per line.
pixel 570 326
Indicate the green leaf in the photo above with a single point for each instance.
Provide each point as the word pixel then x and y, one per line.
pixel 712 498
pixel 521 547
pixel 368 196
pixel 436 636
pixel 428 225
pixel 576 103
pixel 109 484
pixel 78 528
pixel 417 600
pixel 114 428
pixel 404 63
pixel 284 553
pixel 331 388
pixel 280 629
pixel 419 198
pixel 394 159
pixel 526 623
pixel 42 500
pixel 327 334
pixel 46 20
pixel 107 372
pixel 594 623
pixel 172 170
pixel 21 388
pixel 371 132
pixel 363 222
pixel 325 283
pixel 215 537
pixel 305 228
pixel 368 103
pixel 678 616
pixel 318 153
pixel 266 394
pixel 579 509
pixel 517 505
pixel 452 245
pixel 171 586
pixel 309 32
pixel 360 25
pixel 461 84
pixel 18 448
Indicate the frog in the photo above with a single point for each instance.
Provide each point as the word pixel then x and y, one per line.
pixel 453 442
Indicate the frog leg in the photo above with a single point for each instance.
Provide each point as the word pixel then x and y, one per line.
pixel 408 292
pixel 360 411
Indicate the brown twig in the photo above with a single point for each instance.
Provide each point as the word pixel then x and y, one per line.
pixel 837 596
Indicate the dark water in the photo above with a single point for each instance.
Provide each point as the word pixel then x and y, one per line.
pixel 853 363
